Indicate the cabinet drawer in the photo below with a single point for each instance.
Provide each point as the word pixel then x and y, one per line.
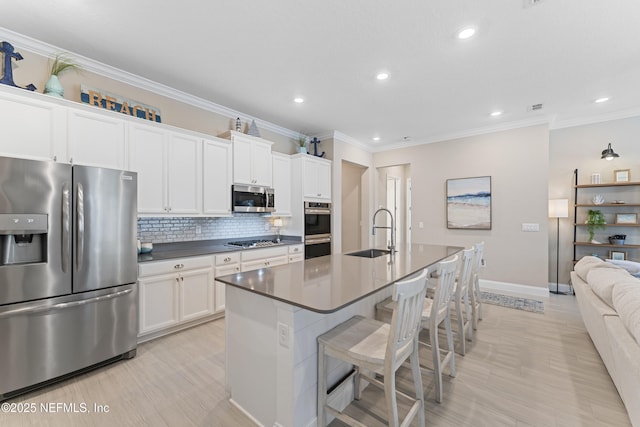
pixel 171 266
pixel 296 249
pixel 227 269
pixel 262 254
pixel 296 257
pixel 264 263
pixel 227 258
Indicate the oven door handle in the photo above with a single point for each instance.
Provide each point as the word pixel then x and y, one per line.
pixel 317 241
pixel 318 211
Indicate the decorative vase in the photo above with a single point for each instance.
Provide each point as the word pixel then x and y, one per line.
pixel 53 87
pixel 302 150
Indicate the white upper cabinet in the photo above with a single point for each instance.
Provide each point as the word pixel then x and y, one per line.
pixel 217 159
pixel 147 148
pixel 282 183
pixel 33 129
pixel 316 177
pixel 185 174
pixel 251 159
pixel 96 139
pixel 169 166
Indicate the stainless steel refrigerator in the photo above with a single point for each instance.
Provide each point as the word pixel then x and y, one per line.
pixel 68 270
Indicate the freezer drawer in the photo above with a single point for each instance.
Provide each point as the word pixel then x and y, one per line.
pixel 47 339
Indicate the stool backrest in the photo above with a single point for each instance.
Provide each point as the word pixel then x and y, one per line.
pixel 408 296
pixel 464 278
pixel 446 274
pixel 477 259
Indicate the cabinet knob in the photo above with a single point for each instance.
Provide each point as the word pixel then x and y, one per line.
pixel 319 194
pixel 178 266
pixel 178 279
pixel 227 259
pixel 237 268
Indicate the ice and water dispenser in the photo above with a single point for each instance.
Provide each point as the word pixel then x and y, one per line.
pixel 23 238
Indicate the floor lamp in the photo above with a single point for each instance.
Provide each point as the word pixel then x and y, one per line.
pixel 558 208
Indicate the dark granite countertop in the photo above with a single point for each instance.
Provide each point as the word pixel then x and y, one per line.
pixel 329 283
pixel 165 251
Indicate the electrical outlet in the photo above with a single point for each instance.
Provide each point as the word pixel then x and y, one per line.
pixel 530 227
pixel 198 229
pixel 267 226
pixel 421 224
pixel 283 335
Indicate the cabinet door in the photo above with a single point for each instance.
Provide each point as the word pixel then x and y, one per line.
pixel 219 298
pixel 195 293
pixel 217 160
pixel 282 184
pixel 33 130
pixel 96 140
pixel 242 161
pixel 147 149
pixel 324 180
pixel 185 174
pixel 310 179
pixel 158 302
pixel 261 164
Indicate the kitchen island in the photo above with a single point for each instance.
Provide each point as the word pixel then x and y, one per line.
pixel 274 315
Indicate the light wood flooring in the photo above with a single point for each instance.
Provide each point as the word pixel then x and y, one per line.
pixel 522 369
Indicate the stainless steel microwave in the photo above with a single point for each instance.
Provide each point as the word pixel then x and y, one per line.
pixel 250 198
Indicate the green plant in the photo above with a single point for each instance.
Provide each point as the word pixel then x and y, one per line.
pixel 302 140
pixel 63 62
pixel 595 221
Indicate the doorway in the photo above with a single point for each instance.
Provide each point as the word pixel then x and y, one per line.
pixel 352 221
pixel 394 193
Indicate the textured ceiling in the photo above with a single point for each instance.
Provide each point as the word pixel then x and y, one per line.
pixel 256 56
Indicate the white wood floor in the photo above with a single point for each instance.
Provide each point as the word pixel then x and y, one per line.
pixel 523 369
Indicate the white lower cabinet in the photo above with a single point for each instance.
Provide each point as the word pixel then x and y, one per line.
pixel 227 263
pixel 173 293
pixel 296 253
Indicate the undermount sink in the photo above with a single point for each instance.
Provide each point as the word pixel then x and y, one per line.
pixel 370 253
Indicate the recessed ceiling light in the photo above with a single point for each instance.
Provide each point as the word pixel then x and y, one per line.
pixel 601 100
pixel 495 113
pixel 382 76
pixel 376 138
pixel 298 100
pixel 466 33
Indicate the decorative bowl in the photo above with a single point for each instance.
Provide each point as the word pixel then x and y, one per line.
pixel 146 247
pixel 617 239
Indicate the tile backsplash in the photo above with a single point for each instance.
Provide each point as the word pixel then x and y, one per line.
pixel 176 229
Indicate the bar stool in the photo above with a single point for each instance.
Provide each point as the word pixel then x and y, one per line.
pixel 435 312
pixel 462 307
pixel 374 346
pixel 474 287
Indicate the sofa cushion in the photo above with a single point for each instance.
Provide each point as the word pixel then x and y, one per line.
pixel 626 301
pixel 603 280
pixel 631 266
pixel 587 263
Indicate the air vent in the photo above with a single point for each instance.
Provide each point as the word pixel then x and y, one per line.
pixel 535 107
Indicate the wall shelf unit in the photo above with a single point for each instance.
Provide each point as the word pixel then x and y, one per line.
pixel 629 193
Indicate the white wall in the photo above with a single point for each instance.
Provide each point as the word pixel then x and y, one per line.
pixel 580 148
pixel 517 161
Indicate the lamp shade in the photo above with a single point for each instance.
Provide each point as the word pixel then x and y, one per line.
pixel 608 153
pixel 277 222
pixel 559 208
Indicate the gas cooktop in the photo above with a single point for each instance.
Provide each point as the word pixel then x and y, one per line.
pixel 253 243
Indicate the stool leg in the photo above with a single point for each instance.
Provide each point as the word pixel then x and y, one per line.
pixel 452 362
pixel 460 322
pixel 437 365
pixel 390 395
pixel 322 385
pixel 357 393
pixel 467 310
pixel 417 381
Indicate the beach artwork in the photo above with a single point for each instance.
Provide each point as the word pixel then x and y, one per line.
pixel 469 203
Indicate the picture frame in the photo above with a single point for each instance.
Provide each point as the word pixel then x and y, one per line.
pixel 627 218
pixel 617 255
pixel 622 175
pixel 469 203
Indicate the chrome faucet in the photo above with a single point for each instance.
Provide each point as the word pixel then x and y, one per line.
pixel 392 244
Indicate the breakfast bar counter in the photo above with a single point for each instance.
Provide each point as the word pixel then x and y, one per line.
pixel 274 315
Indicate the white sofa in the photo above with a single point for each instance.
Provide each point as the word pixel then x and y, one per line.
pixel 609 301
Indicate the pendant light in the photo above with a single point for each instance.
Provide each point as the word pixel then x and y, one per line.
pixel 609 154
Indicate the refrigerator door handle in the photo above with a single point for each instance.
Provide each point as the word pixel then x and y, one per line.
pixel 66 227
pixel 44 307
pixel 79 226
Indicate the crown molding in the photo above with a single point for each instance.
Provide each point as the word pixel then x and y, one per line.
pixel 582 121
pixel 48 50
pixel 351 141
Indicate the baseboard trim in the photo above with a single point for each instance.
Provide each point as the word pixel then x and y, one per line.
pixel 533 291
pixel 244 411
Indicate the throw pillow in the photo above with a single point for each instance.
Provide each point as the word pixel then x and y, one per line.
pixel 631 266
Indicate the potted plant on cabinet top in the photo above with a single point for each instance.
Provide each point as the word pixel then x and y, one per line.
pixel 595 221
pixel 302 143
pixel 61 62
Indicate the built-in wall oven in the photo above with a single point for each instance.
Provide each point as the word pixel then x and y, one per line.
pixel 317 229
